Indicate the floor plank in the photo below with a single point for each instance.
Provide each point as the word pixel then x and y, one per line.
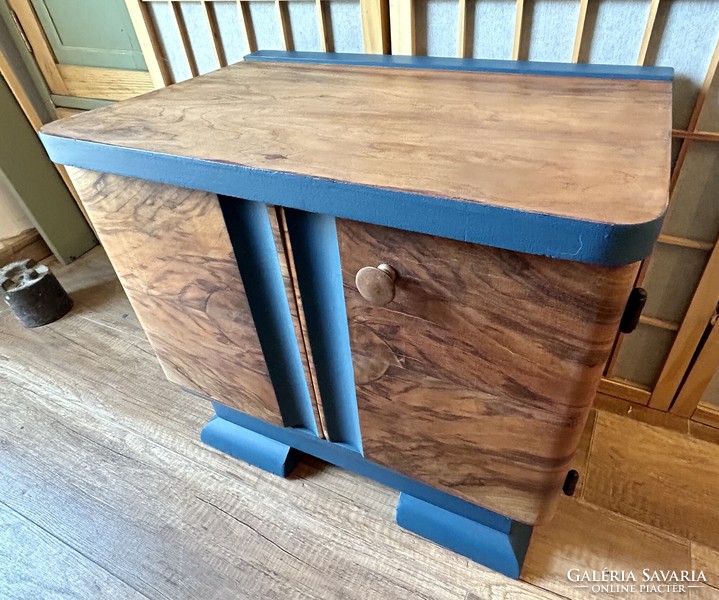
pixel 706 560
pixel 34 564
pixel 655 476
pixel 588 538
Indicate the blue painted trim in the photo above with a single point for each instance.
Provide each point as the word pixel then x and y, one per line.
pixel 319 275
pixel 504 552
pixel 347 458
pixel 253 242
pixel 467 64
pixel 534 233
pixel 253 448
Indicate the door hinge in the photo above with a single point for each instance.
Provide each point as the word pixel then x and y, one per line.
pixel 633 310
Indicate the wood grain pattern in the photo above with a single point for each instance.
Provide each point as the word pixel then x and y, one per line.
pixel 538 143
pixel 479 376
pixel 706 560
pixel 107 84
pixel 171 251
pixel 653 486
pixel 616 543
pixel 34 564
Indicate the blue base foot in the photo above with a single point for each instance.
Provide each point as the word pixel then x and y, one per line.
pixel 501 550
pixel 250 447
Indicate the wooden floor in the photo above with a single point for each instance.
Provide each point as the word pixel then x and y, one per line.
pixel 106 491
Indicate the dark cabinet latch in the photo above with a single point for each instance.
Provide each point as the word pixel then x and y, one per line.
pixel 570 483
pixel 633 310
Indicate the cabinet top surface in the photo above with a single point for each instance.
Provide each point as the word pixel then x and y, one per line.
pixel 594 149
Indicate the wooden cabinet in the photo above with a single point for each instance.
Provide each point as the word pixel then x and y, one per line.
pixel 239 207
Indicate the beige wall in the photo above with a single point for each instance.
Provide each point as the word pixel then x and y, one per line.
pixel 13 218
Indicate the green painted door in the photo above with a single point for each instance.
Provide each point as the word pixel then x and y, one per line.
pixel 90 33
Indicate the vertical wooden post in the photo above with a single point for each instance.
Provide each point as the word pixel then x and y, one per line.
pixel 648 32
pixel 580 30
pixel 149 44
pixel 325 38
pixel 176 13
pixel 462 30
pixel 518 29
pixel 375 26
pixel 285 28
pixel 211 22
pixel 402 27
pixel 243 10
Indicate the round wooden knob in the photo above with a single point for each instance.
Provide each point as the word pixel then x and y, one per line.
pixel 376 284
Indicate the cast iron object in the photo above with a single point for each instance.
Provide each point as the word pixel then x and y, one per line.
pixel 33 293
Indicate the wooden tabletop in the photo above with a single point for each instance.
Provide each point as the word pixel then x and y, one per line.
pixel 587 148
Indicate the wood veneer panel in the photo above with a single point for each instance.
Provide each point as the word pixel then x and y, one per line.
pixel 529 142
pixel 171 251
pixel 478 377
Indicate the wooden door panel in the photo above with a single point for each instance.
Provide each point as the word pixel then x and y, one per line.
pixel 171 251
pixel 478 377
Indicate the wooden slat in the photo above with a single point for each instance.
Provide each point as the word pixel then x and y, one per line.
pixel 243 9
pixel 44 56
pixel 211 23
pixel 690 333
pixel 149 43
pixel 648 30
pixel 179 19
pixel 375 26
pixel 625 390
pixel 518 17
pixel 643 414
pixel 402 27
pixel 707 415
pixel 702 136
pixel 699 377
pixel 670 378
pixel 581 19
pixel 106 84
pixel 283 18
pixel 441 163
pixel 462 30
pixel 673 240
pixel 706 559
pixel 661 323
pixel 323 31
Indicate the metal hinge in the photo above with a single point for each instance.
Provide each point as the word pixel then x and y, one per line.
pixel 570 483
pixel 633 310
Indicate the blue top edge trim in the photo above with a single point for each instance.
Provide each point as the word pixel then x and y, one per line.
pixel 467 64
pixel 501 227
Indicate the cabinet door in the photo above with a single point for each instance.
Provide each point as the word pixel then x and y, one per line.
pixel 478 376
pixel 171 251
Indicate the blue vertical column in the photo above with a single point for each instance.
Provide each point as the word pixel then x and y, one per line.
pixel 319 274
pixel 253 242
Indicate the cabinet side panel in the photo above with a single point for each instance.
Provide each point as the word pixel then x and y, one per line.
pixel 170 249
pixel 478 377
